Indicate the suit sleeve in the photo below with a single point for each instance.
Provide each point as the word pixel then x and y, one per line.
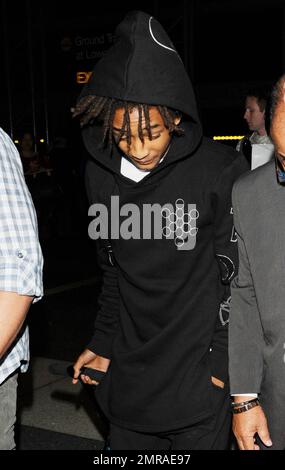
pixel 227 258
pixel 107 318
pixel 246 339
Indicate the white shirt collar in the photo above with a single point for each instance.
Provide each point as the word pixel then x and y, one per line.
pixel 129 170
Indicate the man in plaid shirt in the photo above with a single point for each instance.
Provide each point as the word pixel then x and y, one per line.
pixel 21 265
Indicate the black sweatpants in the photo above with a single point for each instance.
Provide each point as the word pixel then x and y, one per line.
pixel 212 433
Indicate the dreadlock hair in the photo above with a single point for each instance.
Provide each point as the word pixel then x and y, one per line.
pixel 93 107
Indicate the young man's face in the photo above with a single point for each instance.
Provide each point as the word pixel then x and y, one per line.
pixel 253 116
pixel 144 155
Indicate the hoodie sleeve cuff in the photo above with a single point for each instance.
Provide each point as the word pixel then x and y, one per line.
pixel 101 344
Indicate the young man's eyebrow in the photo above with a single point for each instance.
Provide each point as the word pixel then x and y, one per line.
pixel 154 126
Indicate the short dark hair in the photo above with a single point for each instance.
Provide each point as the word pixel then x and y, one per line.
pixel 92 107
pixel 261 95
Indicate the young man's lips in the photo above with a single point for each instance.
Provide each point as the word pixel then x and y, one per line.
pixel 143 161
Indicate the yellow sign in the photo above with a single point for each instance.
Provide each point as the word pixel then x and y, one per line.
pixel 82 77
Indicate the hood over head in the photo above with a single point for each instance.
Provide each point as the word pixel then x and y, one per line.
pixel 144 67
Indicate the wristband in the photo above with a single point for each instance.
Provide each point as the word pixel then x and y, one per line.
pixel 246 407
pixel 234 403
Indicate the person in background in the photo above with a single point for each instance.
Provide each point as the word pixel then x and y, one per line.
pixel 21 266
pixel 256 146
pixel 29 157
pixel 65 178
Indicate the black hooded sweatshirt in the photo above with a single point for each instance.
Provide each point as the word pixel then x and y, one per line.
pixel 162 307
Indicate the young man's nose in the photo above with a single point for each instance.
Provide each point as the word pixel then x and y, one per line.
pixel 138 149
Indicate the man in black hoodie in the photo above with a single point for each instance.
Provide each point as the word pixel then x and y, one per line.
pixel 166 246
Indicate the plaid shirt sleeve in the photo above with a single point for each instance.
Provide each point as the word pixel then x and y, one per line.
pixel 21 260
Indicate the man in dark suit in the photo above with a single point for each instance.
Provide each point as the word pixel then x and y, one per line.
pixel 257 319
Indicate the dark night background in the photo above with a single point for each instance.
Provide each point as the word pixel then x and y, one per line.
pixel 227 47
